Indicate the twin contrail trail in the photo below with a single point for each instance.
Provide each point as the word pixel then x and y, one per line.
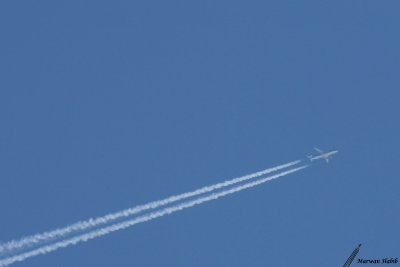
pixel 147 217
pixel 41 238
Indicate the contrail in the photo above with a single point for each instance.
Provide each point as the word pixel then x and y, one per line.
pixel 153 215
pixel 38 239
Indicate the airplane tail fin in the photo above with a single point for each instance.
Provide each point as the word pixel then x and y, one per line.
pixel 310 157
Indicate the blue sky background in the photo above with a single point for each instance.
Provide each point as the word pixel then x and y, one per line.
pixel 108 104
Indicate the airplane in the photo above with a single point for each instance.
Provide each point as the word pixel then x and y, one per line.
pixel 322 155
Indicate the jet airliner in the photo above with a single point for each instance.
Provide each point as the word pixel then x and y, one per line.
pixel 322 155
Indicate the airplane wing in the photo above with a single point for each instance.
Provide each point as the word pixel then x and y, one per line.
pixel 318 150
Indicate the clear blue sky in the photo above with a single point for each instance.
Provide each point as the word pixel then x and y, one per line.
pixel 109 104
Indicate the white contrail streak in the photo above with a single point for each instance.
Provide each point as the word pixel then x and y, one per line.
pixel 40 238
pixel 150 216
